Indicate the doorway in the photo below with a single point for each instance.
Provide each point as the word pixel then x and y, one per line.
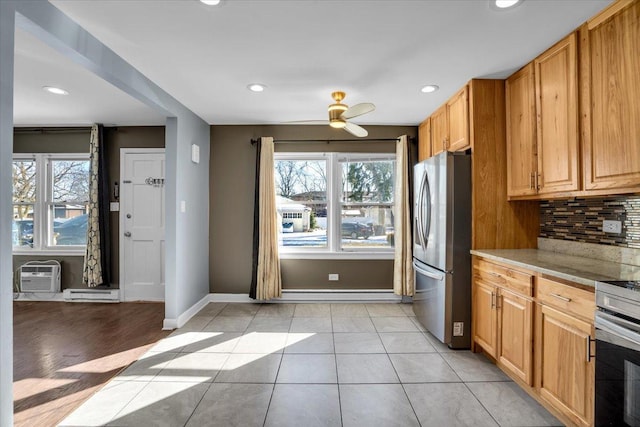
pixel 142 224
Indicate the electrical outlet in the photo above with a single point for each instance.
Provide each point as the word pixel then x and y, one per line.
pixel 334 277
pixel 609 226
pixel 458 329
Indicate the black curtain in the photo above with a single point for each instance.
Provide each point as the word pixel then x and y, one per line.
pixel 103 208
pixel 256 226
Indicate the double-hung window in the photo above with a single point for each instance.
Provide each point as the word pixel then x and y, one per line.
pixel 50 199
pixel 335 204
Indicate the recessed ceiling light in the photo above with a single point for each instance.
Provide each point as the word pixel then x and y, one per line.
pixel 504 4
pixel 429 88
pixel 211 2
pixel 256 87
pixel 55 90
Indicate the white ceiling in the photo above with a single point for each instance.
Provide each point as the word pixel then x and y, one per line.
pixel 380 51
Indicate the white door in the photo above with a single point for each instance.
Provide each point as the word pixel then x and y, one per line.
pixel 142 222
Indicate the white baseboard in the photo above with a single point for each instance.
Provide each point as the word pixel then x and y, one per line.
pixel 349 295
pixel 172 323
pixel 230 298
pixel 316 295
pixel 38 296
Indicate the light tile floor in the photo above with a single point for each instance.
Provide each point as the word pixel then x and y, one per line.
pixel 308 365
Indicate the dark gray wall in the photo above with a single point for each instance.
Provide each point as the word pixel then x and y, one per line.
pixel 232 191
pixel 77 141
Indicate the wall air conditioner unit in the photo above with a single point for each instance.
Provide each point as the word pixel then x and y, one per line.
pixel 40 278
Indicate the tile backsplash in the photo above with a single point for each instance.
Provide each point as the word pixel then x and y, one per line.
pixel 580 220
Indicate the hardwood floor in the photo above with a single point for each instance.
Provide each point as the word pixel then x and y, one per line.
pixel 64 352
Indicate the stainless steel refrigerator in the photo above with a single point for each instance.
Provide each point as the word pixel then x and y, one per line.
pixel 441 245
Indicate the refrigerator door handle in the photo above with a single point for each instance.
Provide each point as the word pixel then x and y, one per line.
pixel 432 274
pixel 420 213
pixel 425 193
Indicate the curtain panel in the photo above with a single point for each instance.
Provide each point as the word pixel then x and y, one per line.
pixel 97 258
pixel 266 282
pixel 403 257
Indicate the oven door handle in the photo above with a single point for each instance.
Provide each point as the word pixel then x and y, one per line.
pixel 616 326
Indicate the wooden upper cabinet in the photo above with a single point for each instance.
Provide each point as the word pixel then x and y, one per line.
pixel 458 121
pixel 556 79
pixel 610 64
pixel 542 125
pixel 424 140
pixel 439 130
pixel 521 133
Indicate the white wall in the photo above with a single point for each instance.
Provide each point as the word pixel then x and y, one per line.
pixel 189 245
pixel 6 152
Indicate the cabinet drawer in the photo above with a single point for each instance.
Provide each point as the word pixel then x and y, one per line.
pixel 503 276
pixel 567 298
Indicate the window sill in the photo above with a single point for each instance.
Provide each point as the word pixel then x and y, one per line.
pixel 53 253
pixel 338 255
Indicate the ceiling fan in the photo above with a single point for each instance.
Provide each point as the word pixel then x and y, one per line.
pixel 340 113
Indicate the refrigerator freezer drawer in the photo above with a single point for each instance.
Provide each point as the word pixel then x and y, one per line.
pixel 430 300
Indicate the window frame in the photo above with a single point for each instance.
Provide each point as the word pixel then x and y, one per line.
pixel 334 249
pixel 42 207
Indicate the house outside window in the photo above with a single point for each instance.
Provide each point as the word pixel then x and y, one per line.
pixel 50 199
pixel 335 204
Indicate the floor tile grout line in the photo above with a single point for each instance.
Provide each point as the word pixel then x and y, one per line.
pixel 481 404
pixel 125 405
pixel 199 402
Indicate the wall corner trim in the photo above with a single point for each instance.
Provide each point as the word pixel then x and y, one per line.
pixel 174 323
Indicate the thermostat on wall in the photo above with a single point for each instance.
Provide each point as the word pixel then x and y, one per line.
pixel 195 153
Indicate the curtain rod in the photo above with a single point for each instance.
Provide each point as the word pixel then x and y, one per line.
pixel 328 141
pixel 52 130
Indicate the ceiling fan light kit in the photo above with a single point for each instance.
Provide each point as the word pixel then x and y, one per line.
pixel 340 113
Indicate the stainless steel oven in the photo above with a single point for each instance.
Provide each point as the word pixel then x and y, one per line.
pixel 617 322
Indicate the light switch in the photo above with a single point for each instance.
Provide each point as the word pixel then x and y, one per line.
pixel 114 206
pixel 183 206
pixel 195 153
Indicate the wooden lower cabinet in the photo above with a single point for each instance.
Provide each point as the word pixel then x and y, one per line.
pixel 539 330
pixel 566 368
pixel 503 318
pixel 515 352
pixel 485 317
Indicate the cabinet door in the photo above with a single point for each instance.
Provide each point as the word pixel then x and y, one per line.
pixel 439 130
pixel 567 371
pixel 521 133
pixel 610 60
pixel 458 120
pixel 424 140
pixel 556 79
pixel 485 318
pixel 515 315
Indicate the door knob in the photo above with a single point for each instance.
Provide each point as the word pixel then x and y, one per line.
pixel 128 215
pixel 127 234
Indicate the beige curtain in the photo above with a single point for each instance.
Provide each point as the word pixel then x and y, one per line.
pixel 269 282
pixel 402 265
pixel 92 273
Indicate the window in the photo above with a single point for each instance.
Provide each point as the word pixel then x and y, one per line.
pixel 50 198
pixel 335 203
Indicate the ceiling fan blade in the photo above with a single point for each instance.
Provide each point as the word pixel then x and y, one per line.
pixel 308 122
pixel 358 110
pixel 356 130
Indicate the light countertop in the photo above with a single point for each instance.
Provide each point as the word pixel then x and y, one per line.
pixel 585 271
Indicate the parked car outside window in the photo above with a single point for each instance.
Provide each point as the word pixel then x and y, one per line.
pixel 356 230
pixel 72 232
